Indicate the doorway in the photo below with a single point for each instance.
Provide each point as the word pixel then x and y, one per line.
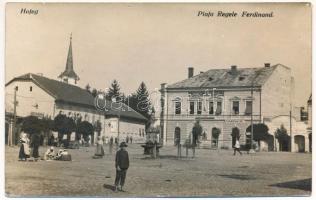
pixel 177 135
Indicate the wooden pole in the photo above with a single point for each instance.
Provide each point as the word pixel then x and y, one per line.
pixel 14 119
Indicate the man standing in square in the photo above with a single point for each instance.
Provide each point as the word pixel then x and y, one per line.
pixel 121 165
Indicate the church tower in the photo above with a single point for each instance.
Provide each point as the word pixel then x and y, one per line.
pixel 69 75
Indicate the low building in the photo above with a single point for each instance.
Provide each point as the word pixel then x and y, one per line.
pixel 40 96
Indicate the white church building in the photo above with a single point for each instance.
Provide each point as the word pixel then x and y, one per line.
pixel 41 96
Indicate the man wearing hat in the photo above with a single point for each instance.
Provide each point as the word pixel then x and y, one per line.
pixel 121 165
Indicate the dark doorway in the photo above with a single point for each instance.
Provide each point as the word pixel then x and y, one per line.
pixel 284 145
pixel 235 135
pixel 177 136
pixel 215 134
pixel 299 141
pixel 310 141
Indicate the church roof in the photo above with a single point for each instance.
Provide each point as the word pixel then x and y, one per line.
pixel 224 78
pixel 63 92
pixel 69 71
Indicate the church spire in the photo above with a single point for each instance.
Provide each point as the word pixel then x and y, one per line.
pixel 69 74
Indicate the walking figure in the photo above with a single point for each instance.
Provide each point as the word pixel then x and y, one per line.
pixel 237 148
pixel 35 143
pixel 111 145
pixel 121 165
pixel 116 143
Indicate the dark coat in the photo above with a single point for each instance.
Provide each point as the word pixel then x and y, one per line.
pixel 122 159
pixel 35 140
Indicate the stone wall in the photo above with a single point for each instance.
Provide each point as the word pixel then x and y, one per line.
pixel 277 93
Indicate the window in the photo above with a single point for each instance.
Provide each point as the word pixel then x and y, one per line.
pixel 248 108
pixel 199 108
pixel 236 107
pixel 177 108
pixel 241 78
pixel 31 88
pixel 219 108
pixel 16 88
pixel 211 108
pixel 191 108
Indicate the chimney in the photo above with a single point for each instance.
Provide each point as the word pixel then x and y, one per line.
pixel 190 72
pixel 233 70
pixel 163 86
pixel 266 64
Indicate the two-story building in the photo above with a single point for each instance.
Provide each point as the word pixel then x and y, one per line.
pixel 223 100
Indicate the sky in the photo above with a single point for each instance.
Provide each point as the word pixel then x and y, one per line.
pixel 156 43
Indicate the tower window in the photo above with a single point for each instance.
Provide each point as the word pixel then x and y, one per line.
pixel 211 108
pixel 31 88
pixel 199 108
pixel 191 108
pixel 241 78
pixel 236 107
pixel 219 108
pixel 178 108
pixel 248 110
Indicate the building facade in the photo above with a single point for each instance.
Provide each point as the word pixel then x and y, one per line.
pixel 34 94
pixel 225 100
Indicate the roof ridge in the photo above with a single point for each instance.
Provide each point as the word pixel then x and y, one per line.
pixel 222 78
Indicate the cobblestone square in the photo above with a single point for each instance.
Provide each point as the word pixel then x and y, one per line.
pixel 211 174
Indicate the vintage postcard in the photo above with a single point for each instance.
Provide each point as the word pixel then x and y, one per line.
pixel 158 100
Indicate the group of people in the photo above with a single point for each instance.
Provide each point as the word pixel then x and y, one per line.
pixel 129 139
pixel 62 154
pixel 29 147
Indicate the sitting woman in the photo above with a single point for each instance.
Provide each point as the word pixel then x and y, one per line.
pixel 50 154
pixel 63 155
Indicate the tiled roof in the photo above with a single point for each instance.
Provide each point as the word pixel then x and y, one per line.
pixel 244 77
pixel 72 94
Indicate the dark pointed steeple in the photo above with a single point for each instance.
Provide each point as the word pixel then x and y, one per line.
pixel 69 72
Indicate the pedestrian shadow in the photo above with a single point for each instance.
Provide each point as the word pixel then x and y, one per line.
pixel 303 184
pixel 171 157
pixel 237 176
pixel 109 187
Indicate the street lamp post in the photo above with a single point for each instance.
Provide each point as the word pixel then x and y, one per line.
pixel 214 101
pixel 12 139
pixel 251 150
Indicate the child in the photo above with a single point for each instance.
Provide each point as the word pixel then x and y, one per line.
pixel 121 165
